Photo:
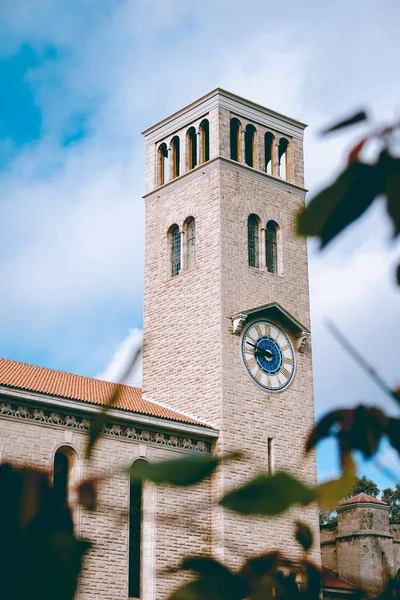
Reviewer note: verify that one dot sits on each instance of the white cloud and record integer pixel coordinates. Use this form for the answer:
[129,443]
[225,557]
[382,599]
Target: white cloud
[121,361]
[71,218]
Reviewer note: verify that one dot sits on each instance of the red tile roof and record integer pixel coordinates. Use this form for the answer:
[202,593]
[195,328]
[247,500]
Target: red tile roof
[331,580]
[362,498]
[85,389]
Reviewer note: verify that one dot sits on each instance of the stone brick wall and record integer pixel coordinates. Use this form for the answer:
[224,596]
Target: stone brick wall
[176,523]
[362,549]
[328,549]
[191,357]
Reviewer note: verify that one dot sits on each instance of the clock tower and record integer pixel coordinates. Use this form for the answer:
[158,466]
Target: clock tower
[226,303]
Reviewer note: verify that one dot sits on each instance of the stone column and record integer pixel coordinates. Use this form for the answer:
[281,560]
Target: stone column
[183,266]
[262,249]
[275,160]
[199,148]
[241,149]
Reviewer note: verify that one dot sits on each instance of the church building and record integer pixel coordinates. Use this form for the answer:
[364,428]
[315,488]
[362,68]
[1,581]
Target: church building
[226,357]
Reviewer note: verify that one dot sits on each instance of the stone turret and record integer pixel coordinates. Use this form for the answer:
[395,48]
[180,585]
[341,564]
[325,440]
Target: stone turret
[362,550]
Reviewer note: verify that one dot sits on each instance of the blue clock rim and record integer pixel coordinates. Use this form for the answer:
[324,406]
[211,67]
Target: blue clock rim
[256,381]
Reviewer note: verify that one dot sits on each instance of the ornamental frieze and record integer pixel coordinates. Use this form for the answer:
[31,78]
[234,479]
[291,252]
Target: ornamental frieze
[41,415]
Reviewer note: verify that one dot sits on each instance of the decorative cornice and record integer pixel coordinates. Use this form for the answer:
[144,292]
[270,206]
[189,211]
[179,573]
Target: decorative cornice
[353,505]
[358,534]
[275,311]
[113,413]
[233,102]
[231,165]
[54,417]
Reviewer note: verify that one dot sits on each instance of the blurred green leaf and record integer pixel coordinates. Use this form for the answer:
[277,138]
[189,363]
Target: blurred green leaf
[341,203]
[180,471]
[355,118]
[304,535]
[268,495]
[332,492]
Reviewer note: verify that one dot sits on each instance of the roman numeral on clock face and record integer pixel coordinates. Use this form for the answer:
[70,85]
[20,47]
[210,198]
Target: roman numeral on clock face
[251,362]
[258,329]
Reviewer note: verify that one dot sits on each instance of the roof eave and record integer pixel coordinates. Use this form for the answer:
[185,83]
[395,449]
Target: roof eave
[113,413]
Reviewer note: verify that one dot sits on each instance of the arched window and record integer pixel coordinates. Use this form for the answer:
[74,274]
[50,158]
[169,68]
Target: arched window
[163,164]
[190,230]
[175,245]
[64,461]
[249,145]
[269,150]
[271,246]
[192,147]
[135,534]
[235,139]
[205,140]
[283,146]
[176,156]
[253,240]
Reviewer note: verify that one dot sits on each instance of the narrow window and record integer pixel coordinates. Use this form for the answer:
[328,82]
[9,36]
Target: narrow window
[190,243]
[175,241]
[205,140]
[283,145]
[269,147]
[271,247]
[249,143]
[176,155]
[135,535]
[192,147]
[163,164]
[271,456]
[253,241]
[64,474]
[235,139]
[61,476]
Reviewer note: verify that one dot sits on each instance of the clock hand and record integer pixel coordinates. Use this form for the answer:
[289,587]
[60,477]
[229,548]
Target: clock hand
[261,353]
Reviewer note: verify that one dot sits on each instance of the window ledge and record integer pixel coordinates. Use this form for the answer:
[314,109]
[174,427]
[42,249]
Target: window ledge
[263,270]
[181,273]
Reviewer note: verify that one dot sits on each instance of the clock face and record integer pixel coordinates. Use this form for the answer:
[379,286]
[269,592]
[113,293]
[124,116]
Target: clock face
[268,355]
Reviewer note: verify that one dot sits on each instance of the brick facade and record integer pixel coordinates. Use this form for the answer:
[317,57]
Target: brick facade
[189,316]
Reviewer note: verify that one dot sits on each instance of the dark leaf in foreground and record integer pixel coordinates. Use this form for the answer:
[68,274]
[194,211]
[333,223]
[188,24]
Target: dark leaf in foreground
[179,471]
[393,433]
[87,494]
[258,574]
[40,557]
[341,203]
[268,495]
[356,118]
[360,428]
[304,535]
[391,167]
[214,581]
[313,578]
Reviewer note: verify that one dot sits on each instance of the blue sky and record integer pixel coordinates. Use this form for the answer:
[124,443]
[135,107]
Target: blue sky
[81,79]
